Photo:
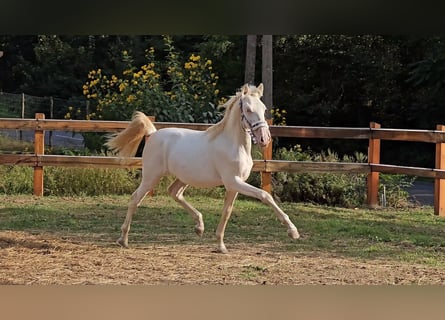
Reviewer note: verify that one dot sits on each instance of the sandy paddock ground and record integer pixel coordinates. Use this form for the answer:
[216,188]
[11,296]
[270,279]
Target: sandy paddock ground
[46,259]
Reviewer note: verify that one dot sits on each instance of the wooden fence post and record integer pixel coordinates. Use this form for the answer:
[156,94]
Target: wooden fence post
[266,177]
[372,198]
[39,149]
[439,184]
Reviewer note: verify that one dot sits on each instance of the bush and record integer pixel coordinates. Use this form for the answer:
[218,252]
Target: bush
[395,186]
[16,179]
[89,181]
[172,88]
[60,181]
[346,190]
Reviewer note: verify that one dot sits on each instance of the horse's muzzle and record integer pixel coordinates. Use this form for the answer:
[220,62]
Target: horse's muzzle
[262,135]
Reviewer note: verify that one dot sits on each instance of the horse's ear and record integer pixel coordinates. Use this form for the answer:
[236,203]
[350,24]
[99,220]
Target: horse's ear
[245,89]
[260,89]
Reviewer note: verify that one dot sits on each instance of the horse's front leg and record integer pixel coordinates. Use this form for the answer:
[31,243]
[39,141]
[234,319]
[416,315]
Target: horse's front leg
[238,185]
[226,212]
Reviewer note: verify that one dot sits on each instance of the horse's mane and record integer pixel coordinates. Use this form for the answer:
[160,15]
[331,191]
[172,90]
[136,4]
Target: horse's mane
[217,128]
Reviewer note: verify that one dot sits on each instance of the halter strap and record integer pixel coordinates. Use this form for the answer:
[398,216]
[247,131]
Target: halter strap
[252,126]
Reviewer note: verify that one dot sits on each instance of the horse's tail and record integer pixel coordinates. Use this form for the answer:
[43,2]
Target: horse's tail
[126,143]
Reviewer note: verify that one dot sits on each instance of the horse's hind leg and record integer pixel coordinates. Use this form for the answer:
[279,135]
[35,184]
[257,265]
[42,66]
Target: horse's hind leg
[136,198]
[176,190]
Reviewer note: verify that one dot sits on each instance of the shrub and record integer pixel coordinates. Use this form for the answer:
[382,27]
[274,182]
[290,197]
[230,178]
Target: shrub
[395,189]
[172,89]
[346,190]
[16,179]
[89,181]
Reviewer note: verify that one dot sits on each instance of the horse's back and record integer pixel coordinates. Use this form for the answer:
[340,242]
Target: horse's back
[185,153]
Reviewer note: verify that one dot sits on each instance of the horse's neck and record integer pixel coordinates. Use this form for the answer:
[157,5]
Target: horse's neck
[235,131]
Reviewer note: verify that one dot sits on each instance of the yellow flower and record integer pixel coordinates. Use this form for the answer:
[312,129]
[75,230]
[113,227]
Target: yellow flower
[222,101]
[194,58]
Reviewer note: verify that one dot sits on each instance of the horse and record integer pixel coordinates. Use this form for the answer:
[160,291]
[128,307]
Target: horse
[220,155]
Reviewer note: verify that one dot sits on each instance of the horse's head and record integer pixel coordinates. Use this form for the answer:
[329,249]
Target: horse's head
[252,113]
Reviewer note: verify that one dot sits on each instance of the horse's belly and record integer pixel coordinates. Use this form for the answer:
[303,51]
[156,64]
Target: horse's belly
[193,165]
[197,175]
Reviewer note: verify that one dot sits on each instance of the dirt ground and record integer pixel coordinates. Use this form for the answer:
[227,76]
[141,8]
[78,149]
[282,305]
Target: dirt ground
[45,259]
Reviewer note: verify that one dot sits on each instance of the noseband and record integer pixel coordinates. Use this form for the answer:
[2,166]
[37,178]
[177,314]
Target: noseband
[252,126]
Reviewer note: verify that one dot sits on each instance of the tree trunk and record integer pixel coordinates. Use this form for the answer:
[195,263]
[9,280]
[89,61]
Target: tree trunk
[249,75]
[267,73]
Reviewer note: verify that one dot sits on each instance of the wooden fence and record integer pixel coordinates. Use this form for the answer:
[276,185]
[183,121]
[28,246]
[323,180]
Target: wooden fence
[374,134]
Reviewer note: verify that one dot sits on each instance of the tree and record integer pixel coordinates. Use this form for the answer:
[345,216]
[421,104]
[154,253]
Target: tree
[249,73]
[267,73]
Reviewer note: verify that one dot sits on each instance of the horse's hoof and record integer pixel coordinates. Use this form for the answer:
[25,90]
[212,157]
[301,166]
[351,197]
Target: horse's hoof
[293,233]
[222,250]
[199,231]
[122,243]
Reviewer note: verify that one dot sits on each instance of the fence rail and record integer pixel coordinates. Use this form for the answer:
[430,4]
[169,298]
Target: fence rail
[429,136]
[267,166]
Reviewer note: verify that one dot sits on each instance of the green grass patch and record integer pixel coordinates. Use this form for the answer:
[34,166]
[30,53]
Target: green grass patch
[410,235]
[8,144]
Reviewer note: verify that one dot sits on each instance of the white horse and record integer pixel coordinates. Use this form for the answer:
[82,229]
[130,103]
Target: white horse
[221,155]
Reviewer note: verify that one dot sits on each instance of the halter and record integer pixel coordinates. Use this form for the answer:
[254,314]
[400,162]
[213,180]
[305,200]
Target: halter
[252,126]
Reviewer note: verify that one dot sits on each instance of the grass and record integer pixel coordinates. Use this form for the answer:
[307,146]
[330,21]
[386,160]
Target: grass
[410,235]
[8,144]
